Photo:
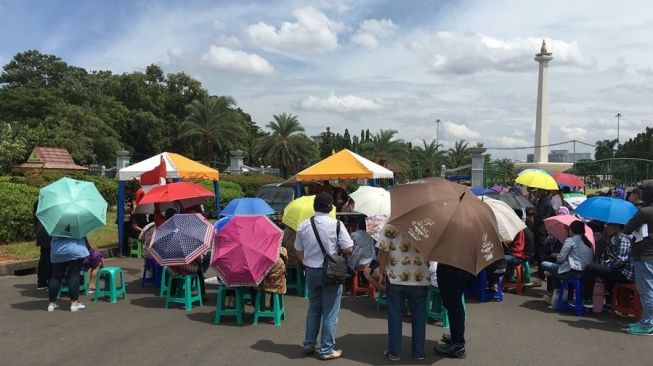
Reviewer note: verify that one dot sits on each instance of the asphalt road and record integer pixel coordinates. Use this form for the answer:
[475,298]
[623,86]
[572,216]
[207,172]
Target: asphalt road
[138,331]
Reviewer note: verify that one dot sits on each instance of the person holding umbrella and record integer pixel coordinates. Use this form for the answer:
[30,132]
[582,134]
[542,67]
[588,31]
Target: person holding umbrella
[67,257]
[324,301]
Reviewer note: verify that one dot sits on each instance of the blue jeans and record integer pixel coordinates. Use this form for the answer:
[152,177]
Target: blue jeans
[396,299]
[323,307]
[644,282]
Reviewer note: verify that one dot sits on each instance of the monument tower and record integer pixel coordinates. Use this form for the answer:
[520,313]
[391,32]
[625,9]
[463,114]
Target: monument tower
[542,113]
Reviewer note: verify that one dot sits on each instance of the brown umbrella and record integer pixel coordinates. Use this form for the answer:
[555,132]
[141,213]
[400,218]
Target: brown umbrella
[446,223]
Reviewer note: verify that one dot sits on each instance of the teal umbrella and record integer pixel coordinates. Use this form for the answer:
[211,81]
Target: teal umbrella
[71,208]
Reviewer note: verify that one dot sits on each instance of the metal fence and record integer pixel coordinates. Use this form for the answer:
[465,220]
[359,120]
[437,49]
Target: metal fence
[614,172]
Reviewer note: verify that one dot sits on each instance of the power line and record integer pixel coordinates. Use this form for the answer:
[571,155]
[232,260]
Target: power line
[532,147]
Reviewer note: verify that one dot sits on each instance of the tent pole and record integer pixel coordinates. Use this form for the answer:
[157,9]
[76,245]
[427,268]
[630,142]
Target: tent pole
[298,190]
[121,216]
[371,182]
[216,189]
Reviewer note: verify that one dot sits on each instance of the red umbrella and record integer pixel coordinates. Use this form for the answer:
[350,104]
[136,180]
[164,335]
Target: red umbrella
[558,226]
[567,179]
[188,193]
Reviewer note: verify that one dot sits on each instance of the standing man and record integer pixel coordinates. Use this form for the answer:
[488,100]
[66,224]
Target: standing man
[635,197]
[543,210]
[43,239]
[405,276]
[324,301]
[641,225]
[452,282]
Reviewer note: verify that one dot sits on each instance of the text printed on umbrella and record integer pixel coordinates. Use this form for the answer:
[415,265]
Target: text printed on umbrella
[419,229]
[486,248]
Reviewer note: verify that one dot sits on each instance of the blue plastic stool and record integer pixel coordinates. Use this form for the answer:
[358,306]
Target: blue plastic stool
[435,309]
[277,311]
[184,295]
[478,288]
[238,310]
[574,294]
[155,272]
[110,286]
[83,284]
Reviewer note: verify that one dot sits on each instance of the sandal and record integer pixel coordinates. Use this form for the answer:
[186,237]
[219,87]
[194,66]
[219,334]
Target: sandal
[389,356]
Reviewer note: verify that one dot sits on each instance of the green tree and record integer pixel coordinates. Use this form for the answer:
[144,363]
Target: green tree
[640,146]
[34,70]
[459,155]
[287,147]
[605,149]
[212,124]
[387,151]
[430,157]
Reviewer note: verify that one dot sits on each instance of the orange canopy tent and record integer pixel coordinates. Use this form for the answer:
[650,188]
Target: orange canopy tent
[344,165]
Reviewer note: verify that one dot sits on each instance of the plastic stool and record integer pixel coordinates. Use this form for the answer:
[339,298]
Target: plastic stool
[625,300]
[519,278]
[358,287]
[190,283]
[83,284]
[294,281]
[527,272]
[277,312]
[478,288]
[135,248]
[237,311]
[435,309]
[110,288]
[574,293]
[155,272]
[381,300]
[163,283]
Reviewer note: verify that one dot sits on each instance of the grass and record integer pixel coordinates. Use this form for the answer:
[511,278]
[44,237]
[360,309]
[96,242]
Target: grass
[105,237]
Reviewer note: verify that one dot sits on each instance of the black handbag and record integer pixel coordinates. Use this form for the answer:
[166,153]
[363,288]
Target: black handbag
[334,266]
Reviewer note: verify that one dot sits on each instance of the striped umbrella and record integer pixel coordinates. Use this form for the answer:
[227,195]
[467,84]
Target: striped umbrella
[181,239]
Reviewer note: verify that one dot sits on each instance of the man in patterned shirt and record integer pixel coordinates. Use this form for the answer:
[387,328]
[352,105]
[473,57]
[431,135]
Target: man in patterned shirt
[405,276]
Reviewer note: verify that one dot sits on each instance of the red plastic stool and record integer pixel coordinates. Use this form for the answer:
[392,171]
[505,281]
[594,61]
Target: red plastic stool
[625,300]
[357,286]
[519,279]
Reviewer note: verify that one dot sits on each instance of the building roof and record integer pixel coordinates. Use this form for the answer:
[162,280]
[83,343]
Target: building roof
[50,158]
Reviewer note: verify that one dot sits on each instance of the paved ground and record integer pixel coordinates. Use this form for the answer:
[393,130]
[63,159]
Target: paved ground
[519,331]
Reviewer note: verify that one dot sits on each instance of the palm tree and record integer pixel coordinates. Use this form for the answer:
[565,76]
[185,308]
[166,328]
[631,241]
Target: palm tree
[213,125]
[429,156]
[459,155]
[387,151]
[287,147]
[605,149]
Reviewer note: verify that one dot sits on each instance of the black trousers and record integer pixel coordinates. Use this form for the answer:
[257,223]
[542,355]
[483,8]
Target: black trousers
[71,270]
[610,278]
[44,268]
[452,282]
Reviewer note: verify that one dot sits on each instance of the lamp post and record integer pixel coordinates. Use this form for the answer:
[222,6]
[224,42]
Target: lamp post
[618,122]
[437,131]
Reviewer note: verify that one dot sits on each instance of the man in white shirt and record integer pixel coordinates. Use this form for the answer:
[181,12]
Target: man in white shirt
[324,300]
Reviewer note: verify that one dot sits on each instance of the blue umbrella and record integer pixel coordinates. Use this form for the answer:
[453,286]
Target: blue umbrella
[607,209]
[247,207]
[222,223]
[479,191]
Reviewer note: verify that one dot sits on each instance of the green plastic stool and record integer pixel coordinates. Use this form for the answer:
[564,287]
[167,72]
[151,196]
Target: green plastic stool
[381,300]
[110,288]
[435,309]
[527,272]
[305,283]
[136,248]
[163,288]
[238,310]
[294,279]
[83,284]
[190,284]
[277,312]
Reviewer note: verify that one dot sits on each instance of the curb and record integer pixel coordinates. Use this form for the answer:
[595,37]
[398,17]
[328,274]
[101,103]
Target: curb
[10,269]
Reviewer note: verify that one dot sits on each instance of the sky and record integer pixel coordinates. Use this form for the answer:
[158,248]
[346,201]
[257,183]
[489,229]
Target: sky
[372,64]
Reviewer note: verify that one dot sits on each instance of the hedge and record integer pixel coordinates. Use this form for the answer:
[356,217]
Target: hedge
[228,191]
[250,183]
[16,211]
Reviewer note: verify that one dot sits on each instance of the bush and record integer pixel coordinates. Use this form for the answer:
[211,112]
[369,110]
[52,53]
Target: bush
[16,211]
[250,183]
[228,191]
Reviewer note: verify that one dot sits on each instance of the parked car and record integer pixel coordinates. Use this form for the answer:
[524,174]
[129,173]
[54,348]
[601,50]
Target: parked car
[276,195]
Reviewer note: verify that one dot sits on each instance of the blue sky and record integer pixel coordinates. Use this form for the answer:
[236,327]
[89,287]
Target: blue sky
[374,64]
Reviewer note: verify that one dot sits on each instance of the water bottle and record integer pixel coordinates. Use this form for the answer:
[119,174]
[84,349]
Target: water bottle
[598,297]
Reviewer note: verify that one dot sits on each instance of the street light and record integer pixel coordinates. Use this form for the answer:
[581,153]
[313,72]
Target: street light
[618,120]
[437,131]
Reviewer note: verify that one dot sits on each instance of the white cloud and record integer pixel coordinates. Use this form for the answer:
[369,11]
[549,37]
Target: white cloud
[312,33]
[226,59]
[371,30]
[346,103]
[574,133]
[508,141]
[175,52]
[469,53]
[459,131]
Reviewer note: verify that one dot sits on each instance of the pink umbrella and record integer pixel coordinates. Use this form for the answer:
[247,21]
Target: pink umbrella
[558,226]
[245,250]
[498,188]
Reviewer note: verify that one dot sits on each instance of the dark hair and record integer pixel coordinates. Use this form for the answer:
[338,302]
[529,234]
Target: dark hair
[637,192]
[323,202]
[578,227]
[170,212]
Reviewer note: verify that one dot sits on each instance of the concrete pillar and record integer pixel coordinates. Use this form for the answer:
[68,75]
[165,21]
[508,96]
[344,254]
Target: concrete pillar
[478,161]
[542,112]
[122,160]
[236,162]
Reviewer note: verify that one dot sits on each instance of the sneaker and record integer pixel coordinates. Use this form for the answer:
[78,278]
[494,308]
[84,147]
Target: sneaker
[309,350]
[633,325]
[640,330]
[77,307]
[41,286]
[91,291]
[419,358]
[451,350]
[52,306]
[334,355]
[446,338]
[390,356]
[588,304]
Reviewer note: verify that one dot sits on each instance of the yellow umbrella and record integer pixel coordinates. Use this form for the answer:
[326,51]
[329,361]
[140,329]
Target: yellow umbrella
[535,179]
[300,210]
